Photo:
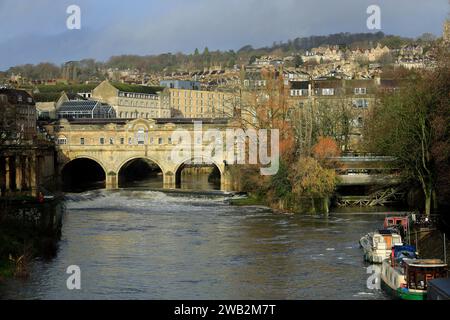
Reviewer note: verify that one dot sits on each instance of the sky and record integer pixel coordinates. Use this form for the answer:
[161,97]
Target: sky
[33,31]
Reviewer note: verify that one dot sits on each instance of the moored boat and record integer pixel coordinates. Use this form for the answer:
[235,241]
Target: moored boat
[378,245]
[406,278]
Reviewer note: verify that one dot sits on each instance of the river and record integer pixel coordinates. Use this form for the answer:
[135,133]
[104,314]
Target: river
[139,244]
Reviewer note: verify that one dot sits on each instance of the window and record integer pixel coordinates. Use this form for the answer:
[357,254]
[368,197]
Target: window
[111,140]
[141,136]
[160,140]
[360,90]
[361,103]
[328,91]
[130,141]
[169,140]
[82,141]
[122,140]
[102,140]
[62,140]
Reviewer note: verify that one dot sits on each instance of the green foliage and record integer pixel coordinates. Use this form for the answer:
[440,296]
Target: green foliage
[136,88]
[310,179]
[72,88]
[47,96]
[280,183]
[411,126]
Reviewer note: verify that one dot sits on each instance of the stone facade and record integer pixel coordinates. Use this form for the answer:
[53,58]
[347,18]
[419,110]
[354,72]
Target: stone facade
[17,116]
[132,105]
[202,104]
[116,143]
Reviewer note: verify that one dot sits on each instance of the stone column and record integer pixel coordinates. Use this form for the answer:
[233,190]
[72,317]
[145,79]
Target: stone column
[26,173]
[7,174]
[33,176]
[18,173]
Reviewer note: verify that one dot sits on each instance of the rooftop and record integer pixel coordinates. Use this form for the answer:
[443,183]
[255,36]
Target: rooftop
[81,105]
[136,88]
[17,96]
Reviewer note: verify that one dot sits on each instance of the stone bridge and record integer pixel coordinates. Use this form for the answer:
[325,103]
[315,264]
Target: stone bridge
[112,144]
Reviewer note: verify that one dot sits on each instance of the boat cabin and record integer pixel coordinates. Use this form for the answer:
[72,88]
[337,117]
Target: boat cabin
[390,238]
[395,222]
[419,271]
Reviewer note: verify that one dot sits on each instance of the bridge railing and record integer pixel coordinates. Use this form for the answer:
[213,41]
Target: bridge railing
[358,157]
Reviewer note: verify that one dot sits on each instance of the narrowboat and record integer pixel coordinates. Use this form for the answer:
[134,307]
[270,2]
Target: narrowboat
[407,278]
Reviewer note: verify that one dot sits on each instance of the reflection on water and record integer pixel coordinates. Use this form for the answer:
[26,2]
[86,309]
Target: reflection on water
[188,182]
[133,244]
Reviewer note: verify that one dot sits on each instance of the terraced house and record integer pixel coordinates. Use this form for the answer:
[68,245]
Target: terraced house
[202,104]
[342,105]
[133,101]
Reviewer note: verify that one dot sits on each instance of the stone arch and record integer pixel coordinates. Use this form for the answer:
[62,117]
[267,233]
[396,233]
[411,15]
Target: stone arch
[157,162]
[211,162]
[131,166]
[82,173]
[69,160]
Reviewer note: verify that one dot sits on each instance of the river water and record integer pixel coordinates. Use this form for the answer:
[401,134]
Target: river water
[139,244]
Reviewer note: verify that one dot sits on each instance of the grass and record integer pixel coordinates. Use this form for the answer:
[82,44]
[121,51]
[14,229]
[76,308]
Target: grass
[248,201]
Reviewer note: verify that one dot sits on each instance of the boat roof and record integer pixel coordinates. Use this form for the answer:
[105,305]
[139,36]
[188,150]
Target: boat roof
[442,284]
[386,231]
[425,263]
[397,218]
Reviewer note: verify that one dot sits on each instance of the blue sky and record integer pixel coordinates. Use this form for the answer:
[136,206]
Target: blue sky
[34,31]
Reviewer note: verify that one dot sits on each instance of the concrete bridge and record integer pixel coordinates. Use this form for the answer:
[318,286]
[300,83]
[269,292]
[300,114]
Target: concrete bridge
[366,170]
[112,145]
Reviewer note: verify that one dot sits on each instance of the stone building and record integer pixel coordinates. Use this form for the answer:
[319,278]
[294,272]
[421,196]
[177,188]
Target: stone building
[355,97]
[133,101]
[202,104]
[70,71]
[26,160]
[17,115]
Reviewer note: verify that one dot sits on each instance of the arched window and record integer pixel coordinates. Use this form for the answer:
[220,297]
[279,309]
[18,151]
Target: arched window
[141,136]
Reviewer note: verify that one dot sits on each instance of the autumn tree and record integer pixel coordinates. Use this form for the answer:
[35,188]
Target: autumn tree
[325,150]
[310,180]
[412,125]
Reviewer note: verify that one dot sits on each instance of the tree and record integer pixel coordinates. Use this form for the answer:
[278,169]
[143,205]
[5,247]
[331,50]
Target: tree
[325,149]
[412,125]
[280,183]
[309,179]
[298,61]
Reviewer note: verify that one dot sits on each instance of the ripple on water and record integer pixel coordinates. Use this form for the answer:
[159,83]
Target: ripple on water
[147,245]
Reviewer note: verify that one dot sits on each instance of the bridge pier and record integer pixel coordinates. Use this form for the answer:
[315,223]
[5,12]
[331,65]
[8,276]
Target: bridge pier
[111,181]
[169,180]
[226,181]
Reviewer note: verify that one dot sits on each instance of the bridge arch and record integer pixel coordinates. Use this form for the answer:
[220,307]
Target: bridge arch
[83,173]
[215,177]
[140,168]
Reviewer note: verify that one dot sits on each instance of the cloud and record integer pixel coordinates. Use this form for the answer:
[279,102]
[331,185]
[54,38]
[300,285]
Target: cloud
[36,31]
